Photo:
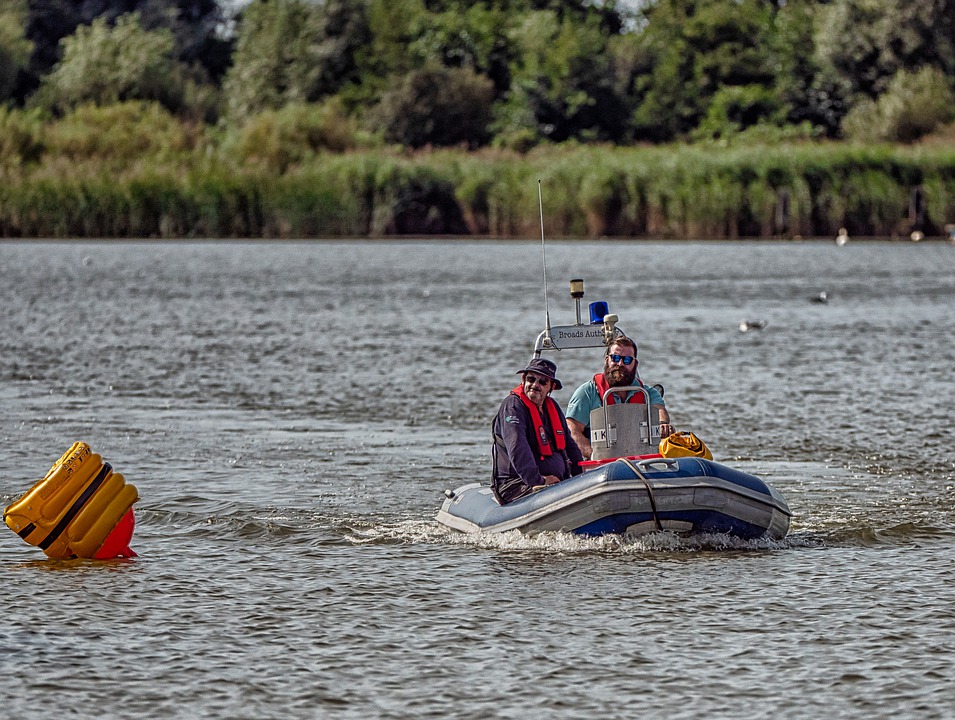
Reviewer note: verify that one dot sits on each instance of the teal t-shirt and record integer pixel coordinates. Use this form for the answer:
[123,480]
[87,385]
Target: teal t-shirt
[586,398]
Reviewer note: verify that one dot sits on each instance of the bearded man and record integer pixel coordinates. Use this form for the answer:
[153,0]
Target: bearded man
[620,370]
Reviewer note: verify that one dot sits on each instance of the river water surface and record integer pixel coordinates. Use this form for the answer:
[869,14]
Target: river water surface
[291,414]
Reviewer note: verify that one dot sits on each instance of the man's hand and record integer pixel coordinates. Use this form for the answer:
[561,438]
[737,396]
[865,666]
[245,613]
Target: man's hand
[548,480]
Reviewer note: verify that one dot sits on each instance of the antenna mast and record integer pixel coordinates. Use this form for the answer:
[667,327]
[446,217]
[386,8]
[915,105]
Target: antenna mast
[540,200]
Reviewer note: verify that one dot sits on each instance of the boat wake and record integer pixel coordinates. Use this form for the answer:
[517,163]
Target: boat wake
[432,532]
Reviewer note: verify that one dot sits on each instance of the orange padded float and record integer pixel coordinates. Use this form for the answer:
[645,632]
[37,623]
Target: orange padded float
[80,509]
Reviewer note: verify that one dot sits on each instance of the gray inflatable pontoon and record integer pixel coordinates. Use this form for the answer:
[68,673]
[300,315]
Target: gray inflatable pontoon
[683,495]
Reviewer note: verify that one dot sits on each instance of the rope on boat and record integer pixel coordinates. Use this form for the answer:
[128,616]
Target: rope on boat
[653,502]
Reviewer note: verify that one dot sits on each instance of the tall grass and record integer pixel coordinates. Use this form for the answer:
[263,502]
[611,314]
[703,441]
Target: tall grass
[81,176]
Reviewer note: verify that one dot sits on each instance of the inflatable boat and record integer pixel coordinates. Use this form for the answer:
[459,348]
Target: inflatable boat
[628,487]
[682,495]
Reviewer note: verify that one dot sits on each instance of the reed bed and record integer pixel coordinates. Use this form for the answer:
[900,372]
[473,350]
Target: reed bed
[198,190]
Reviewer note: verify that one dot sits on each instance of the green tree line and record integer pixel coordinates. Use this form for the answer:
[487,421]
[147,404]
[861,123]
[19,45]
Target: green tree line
[183,89]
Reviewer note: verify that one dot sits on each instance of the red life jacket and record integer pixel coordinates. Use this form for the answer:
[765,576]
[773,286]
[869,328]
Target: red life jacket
[601,382]
[553,414]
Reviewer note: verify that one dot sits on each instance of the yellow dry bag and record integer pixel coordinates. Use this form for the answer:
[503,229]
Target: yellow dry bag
[684,444]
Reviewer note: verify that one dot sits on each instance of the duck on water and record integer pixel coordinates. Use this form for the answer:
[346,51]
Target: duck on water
[627,486]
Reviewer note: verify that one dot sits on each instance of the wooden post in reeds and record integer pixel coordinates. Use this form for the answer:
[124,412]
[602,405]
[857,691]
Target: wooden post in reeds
[781,228]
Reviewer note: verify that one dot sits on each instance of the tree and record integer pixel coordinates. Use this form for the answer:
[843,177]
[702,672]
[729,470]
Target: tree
[475,38]
[393,24]
[571,9]
[735,108]
[913,105]
[808,92]
[562,82]
[14,47]
[699,47]
[195,26]
[103,64]
[344,35]
[252,83]
[864,43]
[291,51]
[47,22]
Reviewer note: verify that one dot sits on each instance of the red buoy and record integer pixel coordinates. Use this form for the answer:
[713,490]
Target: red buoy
[116,544]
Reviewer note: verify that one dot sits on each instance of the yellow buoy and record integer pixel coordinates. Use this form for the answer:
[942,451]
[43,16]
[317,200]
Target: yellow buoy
[73,510]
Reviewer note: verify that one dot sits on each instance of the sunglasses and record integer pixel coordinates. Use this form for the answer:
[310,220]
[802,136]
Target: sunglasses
[531,379]
[625,359]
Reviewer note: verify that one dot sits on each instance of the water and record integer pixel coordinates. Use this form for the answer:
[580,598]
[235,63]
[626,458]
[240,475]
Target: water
[291,414]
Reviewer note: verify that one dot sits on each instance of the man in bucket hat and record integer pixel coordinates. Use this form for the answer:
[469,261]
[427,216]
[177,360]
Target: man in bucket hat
[532,443]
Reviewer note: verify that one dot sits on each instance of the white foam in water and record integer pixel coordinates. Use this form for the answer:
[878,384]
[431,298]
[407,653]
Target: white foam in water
[432,532]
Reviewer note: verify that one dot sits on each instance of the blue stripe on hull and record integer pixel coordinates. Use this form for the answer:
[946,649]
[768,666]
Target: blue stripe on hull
[704,521]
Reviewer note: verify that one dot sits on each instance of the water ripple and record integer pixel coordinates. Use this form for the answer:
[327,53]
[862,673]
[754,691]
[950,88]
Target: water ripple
[292,412]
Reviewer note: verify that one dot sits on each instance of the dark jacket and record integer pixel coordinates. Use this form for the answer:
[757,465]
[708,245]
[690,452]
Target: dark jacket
[517,465]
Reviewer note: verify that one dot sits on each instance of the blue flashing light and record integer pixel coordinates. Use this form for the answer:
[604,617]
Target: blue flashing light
[597,311]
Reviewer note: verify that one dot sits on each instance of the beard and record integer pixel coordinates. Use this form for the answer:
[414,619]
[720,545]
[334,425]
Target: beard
[619,376]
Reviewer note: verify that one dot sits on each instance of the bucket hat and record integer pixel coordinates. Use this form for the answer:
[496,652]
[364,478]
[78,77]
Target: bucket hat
[545,368]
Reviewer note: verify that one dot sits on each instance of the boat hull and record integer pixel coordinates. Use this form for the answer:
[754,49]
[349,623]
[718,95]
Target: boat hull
[684,495]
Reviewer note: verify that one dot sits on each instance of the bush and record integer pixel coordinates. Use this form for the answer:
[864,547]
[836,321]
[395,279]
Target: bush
[736,108]
[104,65]
[119,134]
[278,139]
[438,106]
[913,105]
[21,137]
